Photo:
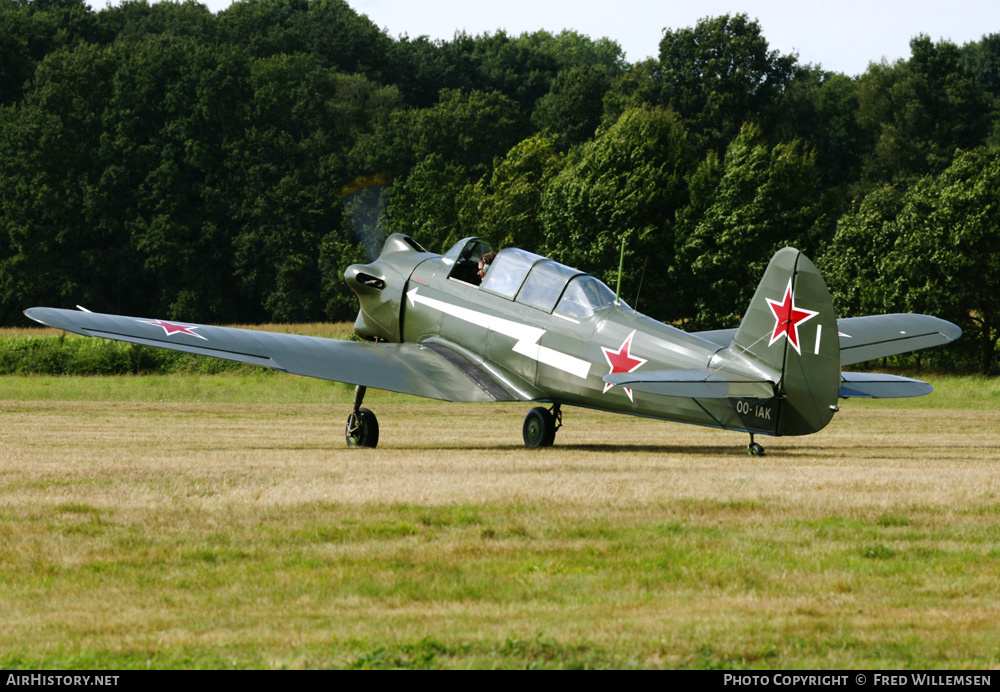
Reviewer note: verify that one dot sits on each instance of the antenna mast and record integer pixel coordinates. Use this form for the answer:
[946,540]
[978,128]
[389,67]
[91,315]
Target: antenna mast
[621,263]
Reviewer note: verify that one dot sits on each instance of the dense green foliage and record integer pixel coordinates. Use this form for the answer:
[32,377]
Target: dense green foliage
[78,355]
[163,160]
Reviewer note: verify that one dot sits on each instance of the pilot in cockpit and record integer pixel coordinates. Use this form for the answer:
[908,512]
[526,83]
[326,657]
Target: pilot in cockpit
[467,257]
[484,265]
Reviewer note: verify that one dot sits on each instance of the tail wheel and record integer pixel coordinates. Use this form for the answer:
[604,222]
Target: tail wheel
[362,429]
[755,450]
[539,428]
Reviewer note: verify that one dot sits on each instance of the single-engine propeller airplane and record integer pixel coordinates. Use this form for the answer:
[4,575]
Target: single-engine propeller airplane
[534,330]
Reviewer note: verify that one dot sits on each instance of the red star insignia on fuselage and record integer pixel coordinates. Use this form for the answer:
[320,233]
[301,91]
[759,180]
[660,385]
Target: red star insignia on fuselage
[787,318]
[171,328]
[622,361]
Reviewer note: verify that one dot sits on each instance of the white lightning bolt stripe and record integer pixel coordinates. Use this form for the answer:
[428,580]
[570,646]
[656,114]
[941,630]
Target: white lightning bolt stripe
[526,336]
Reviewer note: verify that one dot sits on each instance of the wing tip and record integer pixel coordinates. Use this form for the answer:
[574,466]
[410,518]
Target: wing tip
[34,314]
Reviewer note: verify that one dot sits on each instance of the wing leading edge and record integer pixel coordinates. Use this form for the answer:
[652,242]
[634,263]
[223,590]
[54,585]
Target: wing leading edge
[430,371]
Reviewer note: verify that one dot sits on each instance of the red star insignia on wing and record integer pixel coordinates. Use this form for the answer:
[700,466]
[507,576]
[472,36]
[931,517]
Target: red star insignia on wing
[171,328]
[622,361]
[787,318]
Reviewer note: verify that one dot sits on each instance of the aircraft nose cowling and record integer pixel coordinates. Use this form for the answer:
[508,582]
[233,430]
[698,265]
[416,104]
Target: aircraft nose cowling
[379,287]
[365,279]
[380,291]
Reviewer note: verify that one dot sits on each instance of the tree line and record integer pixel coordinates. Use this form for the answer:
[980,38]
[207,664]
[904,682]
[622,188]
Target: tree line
[164,160]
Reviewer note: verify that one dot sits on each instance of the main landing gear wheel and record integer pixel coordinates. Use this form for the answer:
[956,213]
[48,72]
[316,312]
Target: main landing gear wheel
[362,425]
[362,429]
[754,449]
[540,426]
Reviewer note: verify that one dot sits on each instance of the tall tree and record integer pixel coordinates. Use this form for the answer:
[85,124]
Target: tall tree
[505,207]
[469,130]
[572,109]
[133,21]
[764,199]
[820,108]
[426,204]
[918,113]
[852,262]
[627,183]
[290,164]
[946,260]
[64,240]
[30,30]
[328,30]
[720,75]
[162,152]
[981,59]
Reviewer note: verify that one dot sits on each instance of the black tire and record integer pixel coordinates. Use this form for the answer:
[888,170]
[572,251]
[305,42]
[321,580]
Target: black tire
[755,450]
[362,429]
[539,428]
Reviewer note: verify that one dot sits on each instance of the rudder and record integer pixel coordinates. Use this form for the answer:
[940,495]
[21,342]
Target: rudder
[791,328]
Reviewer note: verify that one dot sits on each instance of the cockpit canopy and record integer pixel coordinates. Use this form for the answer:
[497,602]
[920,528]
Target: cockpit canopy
[584,296]
[508,270]
[545,284]
[464,257]
[530,279]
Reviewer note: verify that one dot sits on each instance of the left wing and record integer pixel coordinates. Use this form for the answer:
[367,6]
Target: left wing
[429,370]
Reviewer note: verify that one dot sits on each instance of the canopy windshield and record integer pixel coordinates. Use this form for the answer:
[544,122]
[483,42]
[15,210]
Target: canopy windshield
[584,296]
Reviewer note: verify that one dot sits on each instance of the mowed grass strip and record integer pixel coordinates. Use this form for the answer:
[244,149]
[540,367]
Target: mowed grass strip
[220,522]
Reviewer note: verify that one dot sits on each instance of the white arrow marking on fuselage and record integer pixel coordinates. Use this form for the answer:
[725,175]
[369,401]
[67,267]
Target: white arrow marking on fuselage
[526,336]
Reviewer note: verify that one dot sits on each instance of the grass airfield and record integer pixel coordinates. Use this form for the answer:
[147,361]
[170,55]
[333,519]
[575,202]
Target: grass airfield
[220,521]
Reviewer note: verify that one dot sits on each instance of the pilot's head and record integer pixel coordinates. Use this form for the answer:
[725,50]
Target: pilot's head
[484,263]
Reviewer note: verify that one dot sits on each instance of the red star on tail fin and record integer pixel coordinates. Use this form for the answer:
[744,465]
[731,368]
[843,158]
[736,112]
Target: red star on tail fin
[787,318]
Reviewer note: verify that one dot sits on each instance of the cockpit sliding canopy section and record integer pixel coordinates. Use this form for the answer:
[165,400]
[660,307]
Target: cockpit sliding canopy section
[545,283]
[531,279]
[508,270]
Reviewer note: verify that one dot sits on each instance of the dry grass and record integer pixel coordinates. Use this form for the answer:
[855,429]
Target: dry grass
[147,533]
[330,330]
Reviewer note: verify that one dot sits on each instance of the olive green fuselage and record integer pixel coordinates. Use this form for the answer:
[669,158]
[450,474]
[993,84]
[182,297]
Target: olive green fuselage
[540,354]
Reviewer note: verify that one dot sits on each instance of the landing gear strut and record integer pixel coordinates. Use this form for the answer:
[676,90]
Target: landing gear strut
[754,449]
[540,426]
[362,425]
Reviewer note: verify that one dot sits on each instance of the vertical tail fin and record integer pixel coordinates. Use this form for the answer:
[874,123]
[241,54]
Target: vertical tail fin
[791,329]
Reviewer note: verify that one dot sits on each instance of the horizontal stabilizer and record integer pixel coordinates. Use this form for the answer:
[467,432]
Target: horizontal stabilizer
[694,384]
[876,385]
[878,336]
[875,336]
